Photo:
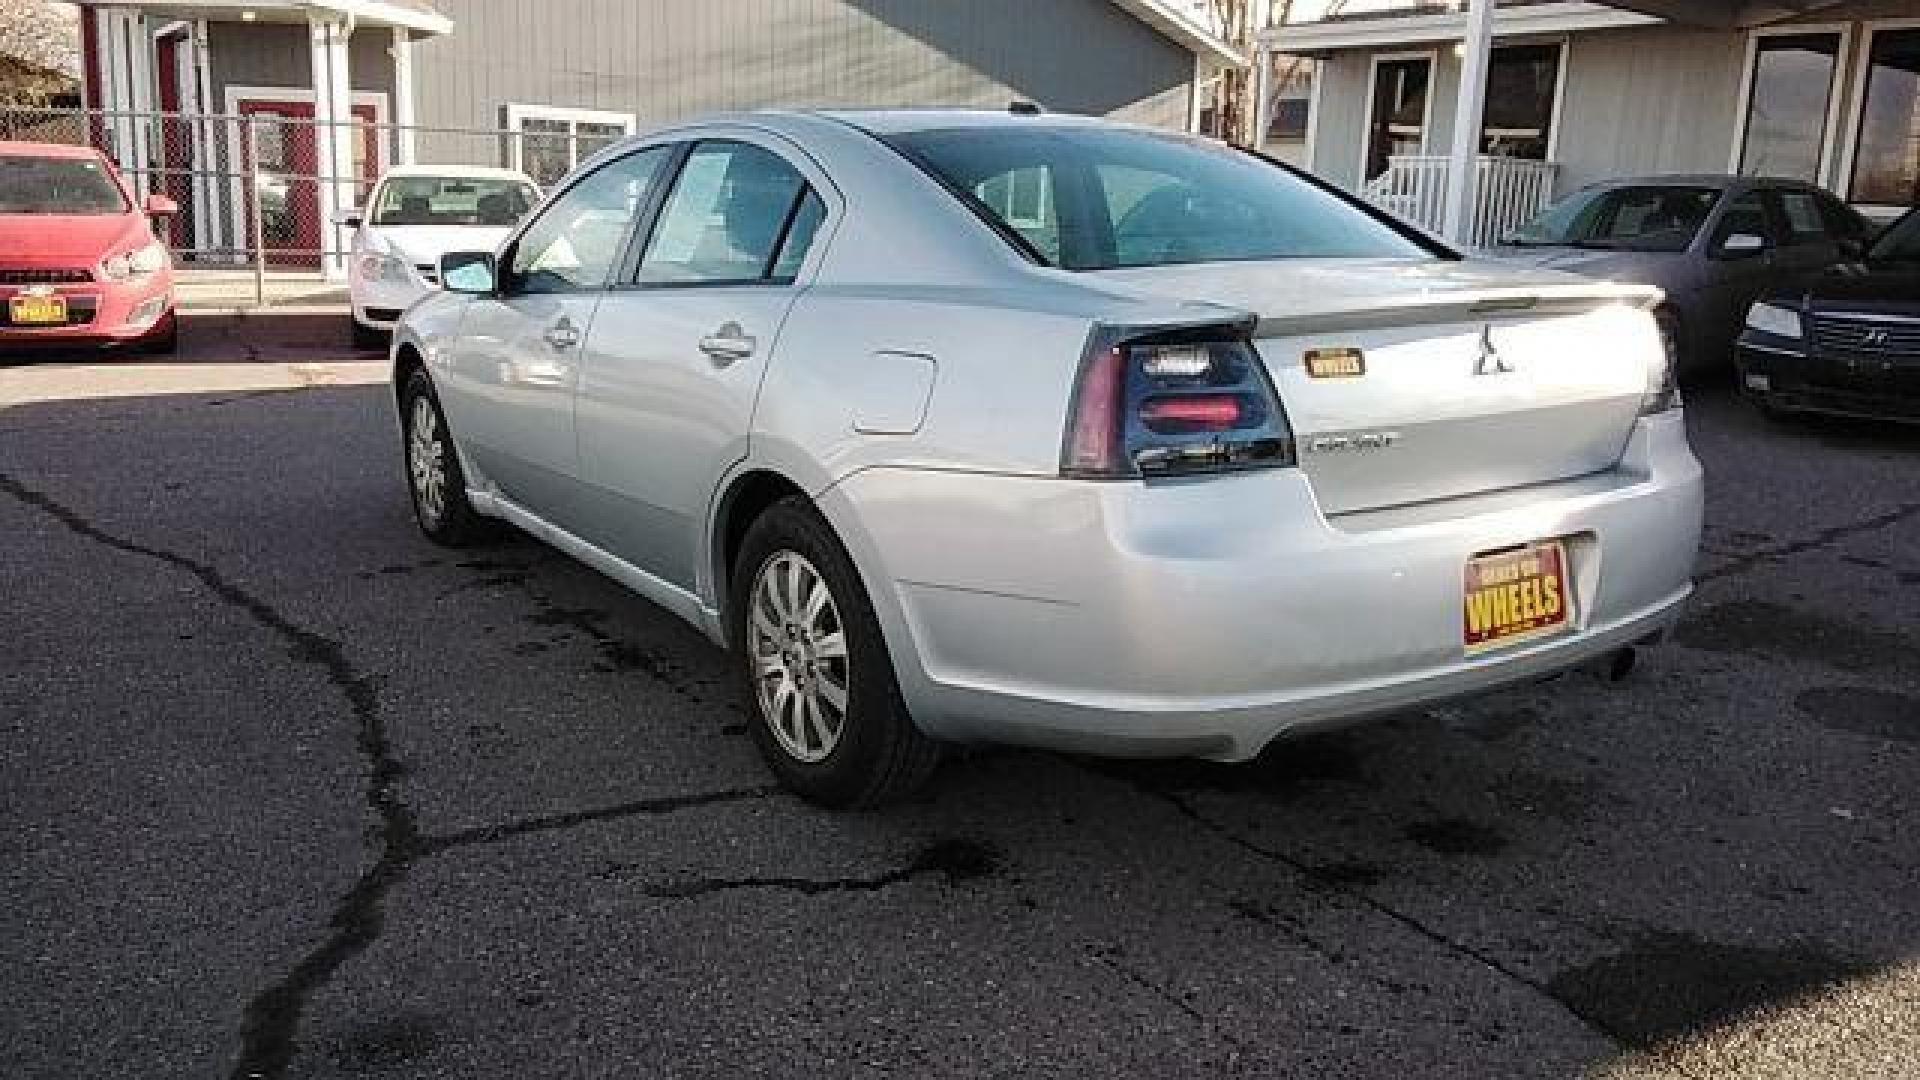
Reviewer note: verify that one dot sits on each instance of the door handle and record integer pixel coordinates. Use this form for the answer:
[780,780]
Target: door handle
[562,335]
[727,344]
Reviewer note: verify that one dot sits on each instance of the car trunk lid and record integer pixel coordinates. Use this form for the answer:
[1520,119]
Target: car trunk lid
[1474,378]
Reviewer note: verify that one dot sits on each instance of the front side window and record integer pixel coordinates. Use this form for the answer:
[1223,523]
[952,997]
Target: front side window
[38,185]
[1792,86]
[1120,198]
[1887,164]
[451,200]
[731,210]
[1640,218]
[574,244]
[1746,216]
[1900,243]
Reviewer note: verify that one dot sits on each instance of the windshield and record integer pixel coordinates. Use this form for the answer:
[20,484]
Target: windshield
[1900,243]
[1645,218]
[39,185]
[453,200]
[1100,199]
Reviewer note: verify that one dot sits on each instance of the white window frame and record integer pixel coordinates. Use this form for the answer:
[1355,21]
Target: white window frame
[573,118]
[1432,57]
[1856,114]
[1836,93]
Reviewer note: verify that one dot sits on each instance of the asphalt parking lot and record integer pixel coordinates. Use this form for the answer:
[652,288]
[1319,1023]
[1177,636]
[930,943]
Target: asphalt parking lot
[288,791]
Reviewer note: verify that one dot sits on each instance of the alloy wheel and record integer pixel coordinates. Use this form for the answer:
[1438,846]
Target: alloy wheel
[427,459]
[798,648]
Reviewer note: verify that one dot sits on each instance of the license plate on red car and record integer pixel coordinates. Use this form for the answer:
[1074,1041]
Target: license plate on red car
[1516,595]
[37,310]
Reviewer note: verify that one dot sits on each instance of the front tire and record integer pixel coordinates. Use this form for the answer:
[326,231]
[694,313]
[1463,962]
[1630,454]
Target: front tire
[434,477]
[828,715]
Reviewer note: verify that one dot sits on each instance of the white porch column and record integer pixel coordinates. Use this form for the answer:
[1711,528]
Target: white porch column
[1262,95]
[404,147]
[127,88]
[333,135]
[1464,167]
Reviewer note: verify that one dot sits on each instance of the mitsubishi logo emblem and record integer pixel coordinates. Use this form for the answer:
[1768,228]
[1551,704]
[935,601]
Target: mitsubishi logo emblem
[1490,361]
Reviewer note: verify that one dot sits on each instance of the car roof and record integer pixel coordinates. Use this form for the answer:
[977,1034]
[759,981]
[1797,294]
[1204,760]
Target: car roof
[1722,181]
[475,172]
[66,151]
[889,121]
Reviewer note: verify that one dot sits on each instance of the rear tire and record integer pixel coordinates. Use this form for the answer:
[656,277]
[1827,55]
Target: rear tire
[827,711]
[434,477]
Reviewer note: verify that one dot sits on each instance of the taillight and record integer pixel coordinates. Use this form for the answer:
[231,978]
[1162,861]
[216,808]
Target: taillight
[1174,403]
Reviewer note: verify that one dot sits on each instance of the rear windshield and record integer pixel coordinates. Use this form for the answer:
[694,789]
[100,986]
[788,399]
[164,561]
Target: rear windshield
[1101,199]
[39,185]
[1652,217]
[450,200]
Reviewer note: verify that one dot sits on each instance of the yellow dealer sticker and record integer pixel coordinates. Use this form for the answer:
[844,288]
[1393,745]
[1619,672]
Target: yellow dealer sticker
[1517,595]
[1336,363]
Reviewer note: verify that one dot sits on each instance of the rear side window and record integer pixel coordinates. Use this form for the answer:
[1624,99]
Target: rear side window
[1099,199]
[738,214]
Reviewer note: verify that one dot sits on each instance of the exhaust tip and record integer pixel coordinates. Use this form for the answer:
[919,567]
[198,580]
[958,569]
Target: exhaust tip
[1623,663]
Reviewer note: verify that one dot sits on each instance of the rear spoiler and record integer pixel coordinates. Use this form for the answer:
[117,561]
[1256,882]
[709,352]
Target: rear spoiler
[1464,305]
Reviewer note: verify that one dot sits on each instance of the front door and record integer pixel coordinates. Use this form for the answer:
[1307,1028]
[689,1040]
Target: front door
[280,144]
[667,399]
[508,384]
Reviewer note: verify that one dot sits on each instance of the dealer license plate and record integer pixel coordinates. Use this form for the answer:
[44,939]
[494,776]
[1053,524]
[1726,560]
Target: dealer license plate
[1516,595]
[38,310]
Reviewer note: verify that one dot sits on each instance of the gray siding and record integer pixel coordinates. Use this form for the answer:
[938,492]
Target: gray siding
[1647,100]
[664,60]
[269,54]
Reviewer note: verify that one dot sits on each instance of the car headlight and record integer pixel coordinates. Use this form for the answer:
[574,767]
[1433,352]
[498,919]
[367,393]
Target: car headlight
[139,262]
[377,267]
[1776,320]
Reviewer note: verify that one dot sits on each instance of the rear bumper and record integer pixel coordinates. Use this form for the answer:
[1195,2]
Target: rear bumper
[1797,380]
[1206,618]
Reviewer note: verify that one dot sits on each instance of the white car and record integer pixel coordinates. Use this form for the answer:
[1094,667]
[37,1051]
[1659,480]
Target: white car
[418,213]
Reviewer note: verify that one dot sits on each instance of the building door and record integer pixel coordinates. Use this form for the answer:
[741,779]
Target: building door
[282,136]
[1402,88]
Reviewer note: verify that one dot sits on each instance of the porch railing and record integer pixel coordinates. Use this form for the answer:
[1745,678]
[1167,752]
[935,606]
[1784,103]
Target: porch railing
[1510,192]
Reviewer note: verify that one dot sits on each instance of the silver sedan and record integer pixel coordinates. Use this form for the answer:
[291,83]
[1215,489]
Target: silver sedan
[963,427]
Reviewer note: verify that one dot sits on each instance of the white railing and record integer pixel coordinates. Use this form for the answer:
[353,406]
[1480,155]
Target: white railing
[1510,193]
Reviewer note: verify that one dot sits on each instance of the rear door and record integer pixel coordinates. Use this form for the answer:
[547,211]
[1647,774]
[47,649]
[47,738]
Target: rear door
[678,348]
[509,381]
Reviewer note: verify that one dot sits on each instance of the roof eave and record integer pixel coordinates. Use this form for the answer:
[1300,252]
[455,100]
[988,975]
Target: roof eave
[1552,18]
[1175,24]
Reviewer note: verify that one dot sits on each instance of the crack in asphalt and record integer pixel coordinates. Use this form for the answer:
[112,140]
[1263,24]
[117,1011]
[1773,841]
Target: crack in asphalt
[1746,561]
[272,1018]
[1333,885]
[491,834]
[1107,959]
[957,859]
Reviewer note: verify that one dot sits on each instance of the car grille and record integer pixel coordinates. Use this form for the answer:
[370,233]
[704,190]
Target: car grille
[1869,337]
[40,275]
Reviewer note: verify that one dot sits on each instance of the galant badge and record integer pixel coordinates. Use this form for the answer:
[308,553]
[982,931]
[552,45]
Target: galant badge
[1490,362]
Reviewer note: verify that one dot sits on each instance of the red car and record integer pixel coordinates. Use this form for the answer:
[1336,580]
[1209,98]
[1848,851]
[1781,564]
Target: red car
[79,261]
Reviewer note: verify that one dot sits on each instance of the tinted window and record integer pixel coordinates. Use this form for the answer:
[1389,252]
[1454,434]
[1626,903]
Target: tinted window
[35,185]
[453,200]
[1842,220]
[1641,218]
[1801,218]
[1901,243]
[574,244]
[1747,215]
[725,219]
[1098,199]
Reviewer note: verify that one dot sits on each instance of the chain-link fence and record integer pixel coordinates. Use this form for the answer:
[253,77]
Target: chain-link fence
[263,188]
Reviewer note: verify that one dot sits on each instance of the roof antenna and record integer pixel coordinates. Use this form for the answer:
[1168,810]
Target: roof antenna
[1022,107]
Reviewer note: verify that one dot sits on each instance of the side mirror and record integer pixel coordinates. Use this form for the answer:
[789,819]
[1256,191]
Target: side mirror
[351,217]
[1743,246]
[471,272]
[158,205]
